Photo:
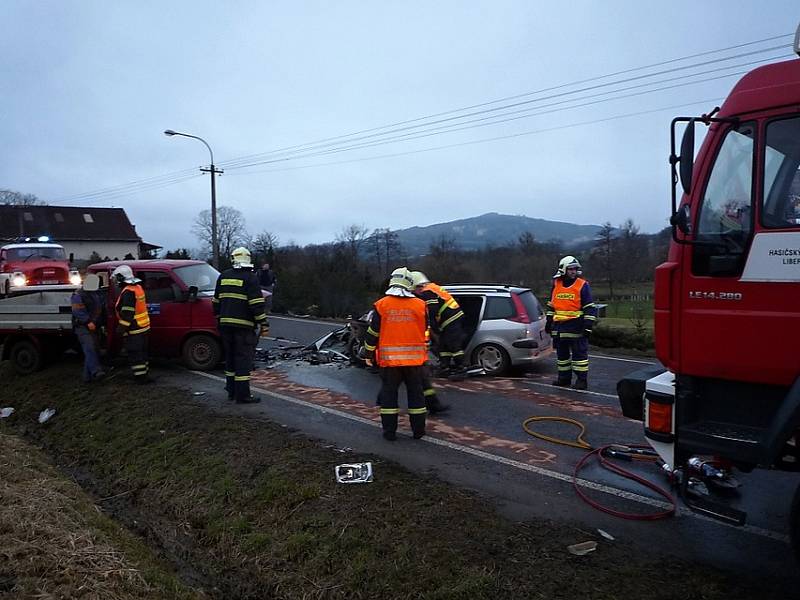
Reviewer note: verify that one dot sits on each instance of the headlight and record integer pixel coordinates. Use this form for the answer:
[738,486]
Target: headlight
[18,280]
[75,278]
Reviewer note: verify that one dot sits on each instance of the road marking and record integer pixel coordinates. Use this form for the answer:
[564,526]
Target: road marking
[680,511]
[333,325]
[631,360]
[553,388]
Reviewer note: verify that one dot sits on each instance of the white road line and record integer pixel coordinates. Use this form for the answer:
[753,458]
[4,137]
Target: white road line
[631,360]
[282,318]
[516,464]
[553,388]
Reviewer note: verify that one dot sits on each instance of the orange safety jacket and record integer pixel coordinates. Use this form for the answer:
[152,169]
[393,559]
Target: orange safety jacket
[131,309]
[566,301]
[402,340]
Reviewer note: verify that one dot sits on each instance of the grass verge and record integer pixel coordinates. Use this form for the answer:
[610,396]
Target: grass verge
[248,509]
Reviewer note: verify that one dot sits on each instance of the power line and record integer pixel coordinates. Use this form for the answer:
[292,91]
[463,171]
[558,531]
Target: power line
[484,140]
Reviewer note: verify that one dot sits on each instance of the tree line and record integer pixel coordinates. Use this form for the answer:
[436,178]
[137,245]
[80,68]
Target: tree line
[345,276]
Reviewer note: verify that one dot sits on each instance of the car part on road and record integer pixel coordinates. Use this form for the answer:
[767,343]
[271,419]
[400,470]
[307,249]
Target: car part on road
[354,473]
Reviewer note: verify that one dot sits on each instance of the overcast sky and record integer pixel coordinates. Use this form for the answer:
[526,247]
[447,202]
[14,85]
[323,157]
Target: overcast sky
[89,87]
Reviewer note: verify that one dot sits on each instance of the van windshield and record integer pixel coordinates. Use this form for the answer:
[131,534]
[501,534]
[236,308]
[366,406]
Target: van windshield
[203,276]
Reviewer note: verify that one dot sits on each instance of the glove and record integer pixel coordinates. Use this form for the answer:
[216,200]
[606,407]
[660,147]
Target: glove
[587,333]
[264,329]
[121,330]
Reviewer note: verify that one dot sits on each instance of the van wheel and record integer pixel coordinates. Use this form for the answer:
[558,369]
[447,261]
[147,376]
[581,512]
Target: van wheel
[6,290]
[26,357]
[201,353]
[492,358]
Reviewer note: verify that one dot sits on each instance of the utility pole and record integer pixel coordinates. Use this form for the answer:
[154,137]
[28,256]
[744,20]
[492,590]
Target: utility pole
[213,171]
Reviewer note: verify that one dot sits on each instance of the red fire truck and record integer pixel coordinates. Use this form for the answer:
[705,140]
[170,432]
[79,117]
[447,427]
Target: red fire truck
[727,300]
[35,263]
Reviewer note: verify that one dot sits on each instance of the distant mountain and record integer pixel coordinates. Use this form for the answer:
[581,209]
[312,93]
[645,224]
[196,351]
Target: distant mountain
[494,229]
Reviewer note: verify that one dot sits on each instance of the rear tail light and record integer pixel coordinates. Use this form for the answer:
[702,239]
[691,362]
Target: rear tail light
[522,314]
[659,417]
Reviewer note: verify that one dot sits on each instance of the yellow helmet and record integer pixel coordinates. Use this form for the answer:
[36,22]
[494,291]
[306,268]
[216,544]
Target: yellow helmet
[419,278]
[564,264]
[401,277]
[241,257]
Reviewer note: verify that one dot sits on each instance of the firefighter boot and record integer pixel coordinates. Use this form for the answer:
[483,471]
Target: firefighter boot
[580,382]
[434,405]
[560,382]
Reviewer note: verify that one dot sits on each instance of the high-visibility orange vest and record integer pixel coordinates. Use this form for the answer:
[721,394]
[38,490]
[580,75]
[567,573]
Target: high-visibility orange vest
[401,340]
[140,316]
[566,301]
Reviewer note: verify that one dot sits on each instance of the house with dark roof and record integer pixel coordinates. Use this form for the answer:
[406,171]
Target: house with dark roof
[81,230]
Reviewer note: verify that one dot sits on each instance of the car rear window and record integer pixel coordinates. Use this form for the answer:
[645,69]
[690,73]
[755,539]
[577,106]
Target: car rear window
[531,304]
[499,307]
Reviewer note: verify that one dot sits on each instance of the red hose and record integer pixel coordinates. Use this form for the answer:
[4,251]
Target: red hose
[615,468]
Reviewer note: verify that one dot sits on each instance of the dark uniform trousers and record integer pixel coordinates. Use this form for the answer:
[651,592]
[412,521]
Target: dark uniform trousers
[392,377]
[451,344]
[136,347]
[572,354]
[239,344]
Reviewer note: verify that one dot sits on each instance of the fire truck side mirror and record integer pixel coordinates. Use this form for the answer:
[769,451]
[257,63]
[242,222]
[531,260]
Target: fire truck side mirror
[681,219]
[687,157]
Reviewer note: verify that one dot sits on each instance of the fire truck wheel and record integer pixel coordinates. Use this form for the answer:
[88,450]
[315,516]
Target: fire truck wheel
[201,353]
[794,523]
[26,357]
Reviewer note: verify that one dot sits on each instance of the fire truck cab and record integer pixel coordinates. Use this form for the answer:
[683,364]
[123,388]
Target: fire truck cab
[727,300]
[35,264]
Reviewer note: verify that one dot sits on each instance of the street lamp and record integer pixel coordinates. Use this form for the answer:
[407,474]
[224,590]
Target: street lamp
[213,171]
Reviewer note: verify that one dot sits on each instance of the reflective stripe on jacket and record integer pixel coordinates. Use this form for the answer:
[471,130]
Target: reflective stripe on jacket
[566,301]
[400,327]
[238,301]
[131,309]
[442,307]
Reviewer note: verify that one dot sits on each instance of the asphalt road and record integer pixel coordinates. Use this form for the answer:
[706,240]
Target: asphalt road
[480,444]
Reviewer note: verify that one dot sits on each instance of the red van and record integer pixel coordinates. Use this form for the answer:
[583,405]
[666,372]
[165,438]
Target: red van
[178,295]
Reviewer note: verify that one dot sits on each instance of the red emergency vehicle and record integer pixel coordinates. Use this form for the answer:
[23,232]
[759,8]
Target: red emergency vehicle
[35,263]
[727,300]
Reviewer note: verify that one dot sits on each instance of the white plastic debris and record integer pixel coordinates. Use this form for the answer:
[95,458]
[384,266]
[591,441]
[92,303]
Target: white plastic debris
[582,549]
[45,415]
[354,473]
[6,412]
[606,535]
[198,393]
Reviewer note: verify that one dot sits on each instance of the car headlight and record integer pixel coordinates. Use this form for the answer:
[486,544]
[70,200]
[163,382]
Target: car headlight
[18,280]
[75,278]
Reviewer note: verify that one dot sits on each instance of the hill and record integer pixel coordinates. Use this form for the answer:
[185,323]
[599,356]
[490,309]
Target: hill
[494,229]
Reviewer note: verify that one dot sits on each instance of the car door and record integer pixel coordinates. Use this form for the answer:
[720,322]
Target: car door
[167,307]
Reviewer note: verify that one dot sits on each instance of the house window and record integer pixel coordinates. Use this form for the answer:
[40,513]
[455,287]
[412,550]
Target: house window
[27,216]
[88,218]
[59,217]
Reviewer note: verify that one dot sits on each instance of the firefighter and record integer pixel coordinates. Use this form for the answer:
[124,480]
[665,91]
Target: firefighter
[133,322]
[571,314]
[396,340]
[446,318]
[239,307]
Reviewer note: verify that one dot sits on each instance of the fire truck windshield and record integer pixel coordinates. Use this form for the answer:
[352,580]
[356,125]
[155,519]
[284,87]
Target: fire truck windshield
[33,252]
[202,276]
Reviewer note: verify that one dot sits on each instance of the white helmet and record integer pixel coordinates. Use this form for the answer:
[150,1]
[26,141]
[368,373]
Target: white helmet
[419,278]
[241,258]
[401,277]
[124,273]
[564,264]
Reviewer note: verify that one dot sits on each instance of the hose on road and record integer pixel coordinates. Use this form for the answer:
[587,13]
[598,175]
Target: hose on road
[603,455]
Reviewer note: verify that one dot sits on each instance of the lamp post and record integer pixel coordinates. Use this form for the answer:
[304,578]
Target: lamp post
[213,171]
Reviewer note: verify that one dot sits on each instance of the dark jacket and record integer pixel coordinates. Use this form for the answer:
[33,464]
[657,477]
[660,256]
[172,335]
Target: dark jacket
[237,299]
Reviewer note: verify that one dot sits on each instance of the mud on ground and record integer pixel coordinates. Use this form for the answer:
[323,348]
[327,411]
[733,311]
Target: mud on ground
[245,508]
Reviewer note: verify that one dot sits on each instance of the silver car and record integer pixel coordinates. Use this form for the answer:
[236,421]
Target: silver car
[506,325]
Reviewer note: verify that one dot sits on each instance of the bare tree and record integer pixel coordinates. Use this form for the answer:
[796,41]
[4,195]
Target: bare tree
[352,238]
[12,198]
[264,245]
[231,231]
[384,245]
[605,248]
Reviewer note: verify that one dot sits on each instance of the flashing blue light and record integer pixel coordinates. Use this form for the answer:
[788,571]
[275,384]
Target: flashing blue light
[43,238]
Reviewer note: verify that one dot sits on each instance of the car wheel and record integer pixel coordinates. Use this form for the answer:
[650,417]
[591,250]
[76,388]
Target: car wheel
[201,353]
[26,357]
[492,358]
